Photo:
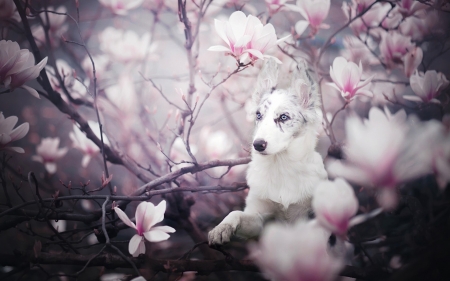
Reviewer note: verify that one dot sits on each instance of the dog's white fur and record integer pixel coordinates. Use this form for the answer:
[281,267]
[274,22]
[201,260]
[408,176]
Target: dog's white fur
[283,176]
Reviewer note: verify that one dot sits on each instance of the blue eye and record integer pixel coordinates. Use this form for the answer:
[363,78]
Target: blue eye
[283,117]
[258,116]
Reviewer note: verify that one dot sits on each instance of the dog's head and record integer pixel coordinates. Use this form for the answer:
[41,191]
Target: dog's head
[282,115]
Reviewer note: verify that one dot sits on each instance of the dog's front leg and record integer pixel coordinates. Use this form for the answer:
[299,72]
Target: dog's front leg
[246,224]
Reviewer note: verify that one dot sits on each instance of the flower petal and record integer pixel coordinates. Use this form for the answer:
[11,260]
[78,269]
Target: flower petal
[156,235]
[136,246]
[123,217]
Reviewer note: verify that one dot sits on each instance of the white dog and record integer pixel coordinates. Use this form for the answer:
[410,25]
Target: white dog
[285,167]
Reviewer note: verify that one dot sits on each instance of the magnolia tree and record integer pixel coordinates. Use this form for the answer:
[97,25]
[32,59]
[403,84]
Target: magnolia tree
[134,141]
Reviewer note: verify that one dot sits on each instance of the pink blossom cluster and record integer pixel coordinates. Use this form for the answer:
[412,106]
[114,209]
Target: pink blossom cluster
[246,37]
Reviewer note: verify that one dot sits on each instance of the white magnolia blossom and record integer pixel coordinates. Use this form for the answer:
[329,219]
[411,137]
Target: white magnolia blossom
[295,253]
[48,153]
[427,86]
[8,134]
[247,39]
[147,215]
[385,150]
[125,46]
[68,75]
[56,24]
[85,145]
[334,204]
[18,66]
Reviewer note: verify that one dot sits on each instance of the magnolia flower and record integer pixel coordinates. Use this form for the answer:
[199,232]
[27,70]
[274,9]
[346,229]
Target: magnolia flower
[421,24]
[334,204]
[147,215]
[8,134]
[372,18]
[8,10]
[17,67]
[247,38]
[314,11]
[275,6]
[125,46]
[412,60]
[48,153]
[393,47]
[121,7]
[355,50]
[385,150]
[293,253]
[427,86]
[101,64]
[81,142]
[408,8]
[346,76]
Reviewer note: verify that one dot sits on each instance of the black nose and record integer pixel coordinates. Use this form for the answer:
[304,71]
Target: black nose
[260,145]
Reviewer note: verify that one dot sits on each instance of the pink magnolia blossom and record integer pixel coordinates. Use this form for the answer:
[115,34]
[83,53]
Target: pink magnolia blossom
[427,86]
[385,150]
[121,7]
[17,67]
[8,134]
[372,18]
[101,64]
[247,38]
[393,47]
[334,204]
[81,142]
[419,25]
[346,76]
[48,153]
[355,50]
[412,60]
[408,8]
[57,26]
[147,215]
[314,12]
[295,253]
[8,10]
[275,6]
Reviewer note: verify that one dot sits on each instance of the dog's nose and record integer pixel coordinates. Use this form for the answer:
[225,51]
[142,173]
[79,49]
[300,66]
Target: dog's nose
[260,145]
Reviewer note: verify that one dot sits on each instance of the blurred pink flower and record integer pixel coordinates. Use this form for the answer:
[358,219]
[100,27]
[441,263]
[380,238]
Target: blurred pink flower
[247,38]
[420,25]
[17,67]
[314,11]
[81,142]
[427,86]
[408,8]
[125,46]
[48,153]
[8,134]
[295,253]
[8,10]
[275,6]
[101,64]
[385,150]
[57,27]
[441,159]
[355,50]
[412,60]
[393,47]
[346,76]
[121,7]
[334,204]
[372,18]
[147,215]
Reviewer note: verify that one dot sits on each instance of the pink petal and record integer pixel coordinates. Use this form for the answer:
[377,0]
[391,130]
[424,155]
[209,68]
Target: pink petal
[123,217]
[220,29]
[136,246]
[219,49]
[164,228]
[20,131]
[30,90]
[301,26]
[156,235]
[50,167]
[145,213]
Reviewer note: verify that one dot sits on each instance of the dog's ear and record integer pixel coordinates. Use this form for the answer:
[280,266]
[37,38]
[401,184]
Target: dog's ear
[305,87]
[267,80]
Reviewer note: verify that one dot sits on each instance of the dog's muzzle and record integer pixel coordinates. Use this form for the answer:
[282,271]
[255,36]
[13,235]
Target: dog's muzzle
[260,145]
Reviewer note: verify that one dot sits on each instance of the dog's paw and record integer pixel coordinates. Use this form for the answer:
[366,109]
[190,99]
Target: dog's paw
[221,234]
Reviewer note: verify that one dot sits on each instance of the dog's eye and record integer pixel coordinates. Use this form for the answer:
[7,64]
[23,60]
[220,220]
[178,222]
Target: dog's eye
[283,117]
[258,115]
